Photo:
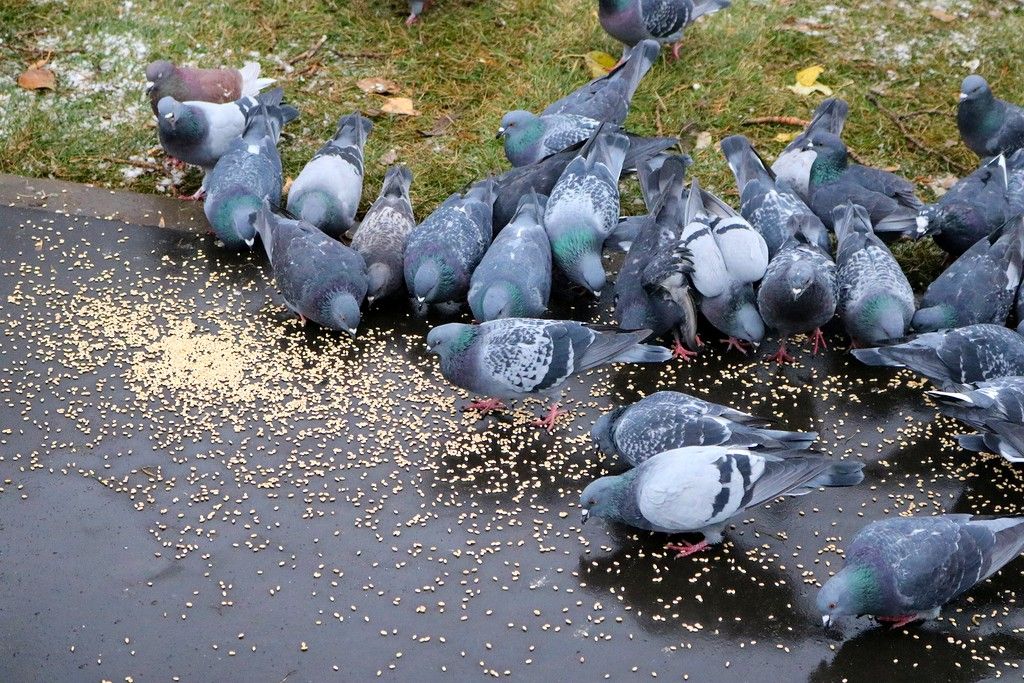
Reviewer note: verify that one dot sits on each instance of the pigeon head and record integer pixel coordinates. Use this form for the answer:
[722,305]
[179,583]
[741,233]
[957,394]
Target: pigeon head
[800,277]
[172,115]
[580,259]
[157,72]
[851,592]
[341,312]
[602,432]
[396,182]
[429,282]
[450,340]
[830,157]
[748,324]
[502,300]
[879,320]
[521,131]
[975,88]
[935,318]
[379,277]
[602,498]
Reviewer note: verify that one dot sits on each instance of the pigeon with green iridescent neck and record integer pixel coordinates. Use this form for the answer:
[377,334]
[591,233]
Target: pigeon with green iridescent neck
[793,165]
[513,279]
[988,125]
[446,247]
[518,357]
[326,192]
[583,209]
[320,278]
[631,21]
[980,286]
[188,84]
[876,302]
[698,489]
[994,408]
[888,198]
[903,569]
[528,138]
[383,232]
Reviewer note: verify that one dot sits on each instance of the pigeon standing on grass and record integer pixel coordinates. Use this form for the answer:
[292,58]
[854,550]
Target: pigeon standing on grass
[443,250]
[382,234]
[528,138]
[698,489]
[988,125]
[980,286]
[995,408]
[771,205]
[903,569]
[320,278]
[583,209]
[965,355]
[513,279]
[888,198]
[798,293]
[326,192]
[794,164]
[631,21]
[876,302]
[187,84]
[519,357]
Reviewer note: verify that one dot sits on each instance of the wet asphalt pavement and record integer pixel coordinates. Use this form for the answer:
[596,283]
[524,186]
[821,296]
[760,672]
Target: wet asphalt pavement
[193,487]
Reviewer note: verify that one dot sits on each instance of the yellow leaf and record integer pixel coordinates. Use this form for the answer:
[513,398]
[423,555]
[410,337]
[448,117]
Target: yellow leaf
[399,105]
[599,63]
[785,137]
[809,76]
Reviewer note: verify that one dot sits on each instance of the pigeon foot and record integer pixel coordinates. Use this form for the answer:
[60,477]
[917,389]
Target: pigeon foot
[898,621]
[548,421]
[486,406]
[782,355]
[734,343]
[680,351]
[684,549]
[818,342]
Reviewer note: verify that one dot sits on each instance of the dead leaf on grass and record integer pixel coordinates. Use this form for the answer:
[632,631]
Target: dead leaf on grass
[37,78]
[379,86]
[401,106]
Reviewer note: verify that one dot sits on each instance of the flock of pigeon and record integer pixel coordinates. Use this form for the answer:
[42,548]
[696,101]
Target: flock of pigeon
[498,245]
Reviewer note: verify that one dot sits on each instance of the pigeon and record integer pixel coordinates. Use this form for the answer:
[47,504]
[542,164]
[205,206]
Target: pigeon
[606,99]
[888,199]
[669,419]
[187,84]
[728,256]
[971,209]
[794,164]
[583,209]
[980,286]
[443,250]
[382,234]
[320,278]
[326,192]
[529,138]
[995,408]
[246,176]
[541,177]
[200,133]
[965,355]
[798,293]
[988,125]
[903,569]
[518,357]
[631,21]
[770,204]
[698,489]
[513,279]
[876,302]
[654,290]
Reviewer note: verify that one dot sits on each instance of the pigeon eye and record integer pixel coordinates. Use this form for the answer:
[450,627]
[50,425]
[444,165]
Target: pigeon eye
[831,605]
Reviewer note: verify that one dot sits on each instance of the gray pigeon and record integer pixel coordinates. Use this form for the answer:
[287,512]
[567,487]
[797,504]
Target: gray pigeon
[326,192]
[799,293]
[729,256]
[187,84]
[980,286]
[903,569]
[382,234]
[246,176]
[770,205]
[876,302]
[794,164]
[528,138]
[965,355]
[443,250]
[888,198]
[606,99]
[631,21]
[995,408]
[698,489]
[988,125]
[971,209]
[669,419]
[513,279]
[583,209]
[653,290]
[519,357]
[200,133]
[320,278]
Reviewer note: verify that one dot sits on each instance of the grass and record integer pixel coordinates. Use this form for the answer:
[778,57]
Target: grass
[475,59]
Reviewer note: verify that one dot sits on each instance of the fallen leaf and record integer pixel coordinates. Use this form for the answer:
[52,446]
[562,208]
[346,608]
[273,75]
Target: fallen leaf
[941,184]
[703,140]
[599,63]
[942,15]
[37,78]
[287,185]
[440,127]
[399,105]
[785,137]
[389,157]
[807,82]
[379,86]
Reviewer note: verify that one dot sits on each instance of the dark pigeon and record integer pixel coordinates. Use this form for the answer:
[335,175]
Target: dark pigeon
[995,408]
[988,125]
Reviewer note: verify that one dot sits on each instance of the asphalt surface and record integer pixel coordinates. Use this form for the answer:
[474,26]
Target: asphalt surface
[193,487]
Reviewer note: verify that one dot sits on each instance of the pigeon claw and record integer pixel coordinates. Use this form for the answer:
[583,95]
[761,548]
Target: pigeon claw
[818,342]
[550,418]
[411,20]
[782,355]
[486,406]
[680,351]
[675,51]
[734,343]
[898,621]
[684,549]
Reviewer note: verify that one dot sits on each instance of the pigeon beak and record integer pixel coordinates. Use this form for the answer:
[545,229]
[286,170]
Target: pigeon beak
[797,291]
[369,300]
[584,516]
[421,299]
[501,133]
[826,620]
[963,96]
[149,86]
[352,332]
[249,242]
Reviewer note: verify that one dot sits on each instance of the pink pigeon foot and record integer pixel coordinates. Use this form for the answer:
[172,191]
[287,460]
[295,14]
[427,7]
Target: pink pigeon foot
[302,319]
[411,20]
[197,196]
[898,621]
[486,406]
[675,51]
[818,342]
[680,351]
[739,344]
[548,421]
[684,549]
[782,355]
